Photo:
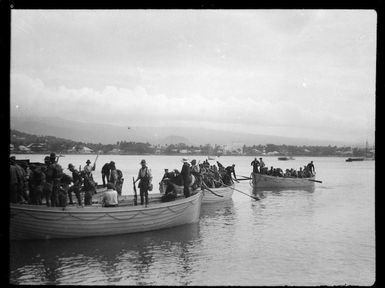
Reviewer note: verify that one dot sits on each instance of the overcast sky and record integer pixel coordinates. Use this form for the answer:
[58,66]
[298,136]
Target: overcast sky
[301,73]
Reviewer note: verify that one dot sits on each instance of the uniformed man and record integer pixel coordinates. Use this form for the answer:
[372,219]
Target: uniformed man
[261,164]
[88,169]
[77,180]
[17,182]
[311,168]
[186,177]
[106,173]
[230,170]
[57,172]
[145,178]
[255,163]
[113,173]
[36,182]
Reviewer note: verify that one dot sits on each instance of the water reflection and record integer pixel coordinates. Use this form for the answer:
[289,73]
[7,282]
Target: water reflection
[144,259]
[55,259]
[219,209]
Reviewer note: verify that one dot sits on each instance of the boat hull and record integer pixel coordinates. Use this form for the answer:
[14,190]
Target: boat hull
[39,222]
[354,159]
[267,181]
[209,197]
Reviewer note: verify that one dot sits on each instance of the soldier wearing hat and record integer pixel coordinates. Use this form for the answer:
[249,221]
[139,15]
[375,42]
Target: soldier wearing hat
[186,177]
[53,158]
[53,175]
[145,184]
[311,169]
[261,163]
[194,166]
[77,180]
[36,182]
[113,173]
[255,163]
[230,171]
[88,169]
[106,173]
[50,174]
[17,188]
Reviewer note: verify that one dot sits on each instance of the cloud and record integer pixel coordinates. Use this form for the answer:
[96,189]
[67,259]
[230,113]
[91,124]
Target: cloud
[274,72]
[122,106]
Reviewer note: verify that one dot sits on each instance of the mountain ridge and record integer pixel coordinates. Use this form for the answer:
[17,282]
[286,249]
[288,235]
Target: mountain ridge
[108,134]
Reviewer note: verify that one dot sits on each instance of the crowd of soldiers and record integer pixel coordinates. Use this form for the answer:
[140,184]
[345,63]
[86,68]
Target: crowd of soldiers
[305,172]
[212,176]
[33,183]
[37,181]
[215,176]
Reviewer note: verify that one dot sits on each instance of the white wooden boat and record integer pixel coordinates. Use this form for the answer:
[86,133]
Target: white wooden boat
[41,222]
[267,181]
[354,159]
[226,192]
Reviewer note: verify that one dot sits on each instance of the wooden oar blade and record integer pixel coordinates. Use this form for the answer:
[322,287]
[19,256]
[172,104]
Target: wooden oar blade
[212,192]
[204,186]
[244,179]
[318,181]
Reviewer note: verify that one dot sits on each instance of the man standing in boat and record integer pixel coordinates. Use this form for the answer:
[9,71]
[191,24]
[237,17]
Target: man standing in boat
[145,178]
[310,166]
[195,170]
[106,174]
[255,163]
[17,174]
[36,183]
[53,176]
[230,170]
[261,165]
[113,173]
[88,169]
[186,177]
[77,180]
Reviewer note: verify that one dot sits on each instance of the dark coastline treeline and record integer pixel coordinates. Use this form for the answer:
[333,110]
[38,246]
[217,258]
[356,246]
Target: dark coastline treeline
[27,143]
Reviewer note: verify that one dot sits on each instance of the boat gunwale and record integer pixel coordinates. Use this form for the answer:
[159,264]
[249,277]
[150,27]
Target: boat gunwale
[100,209]
[286,178]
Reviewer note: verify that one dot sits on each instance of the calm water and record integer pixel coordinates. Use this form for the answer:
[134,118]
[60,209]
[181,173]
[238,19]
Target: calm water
[292,237]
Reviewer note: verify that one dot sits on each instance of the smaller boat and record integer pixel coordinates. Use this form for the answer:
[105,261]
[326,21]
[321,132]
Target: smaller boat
[284,158]
[209,197]
[354,159]
[226,192]
[266,181]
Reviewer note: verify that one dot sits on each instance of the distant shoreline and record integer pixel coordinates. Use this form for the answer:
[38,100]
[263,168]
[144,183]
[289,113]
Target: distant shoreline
[181,155]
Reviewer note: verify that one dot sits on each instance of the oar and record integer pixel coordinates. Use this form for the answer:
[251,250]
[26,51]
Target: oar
[255,198]
[135,193]
[95,161]
[208,189]
[314,180]
[244,179]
